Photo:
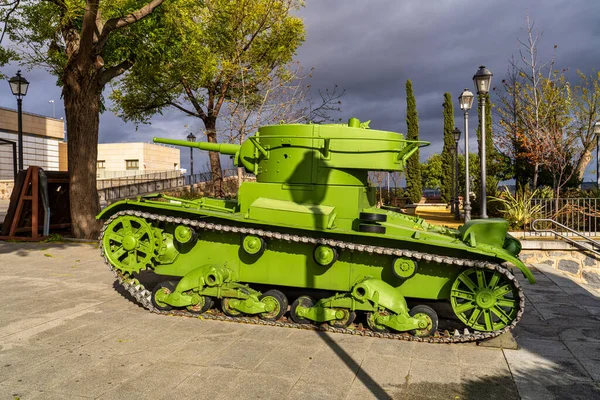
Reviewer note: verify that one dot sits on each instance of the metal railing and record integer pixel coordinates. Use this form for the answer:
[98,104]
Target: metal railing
[109,194]
[579,216]
[133,179]
[586,243]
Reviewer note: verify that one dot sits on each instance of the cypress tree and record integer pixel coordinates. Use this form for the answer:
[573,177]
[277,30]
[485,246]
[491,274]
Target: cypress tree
[414,189]
[447,154]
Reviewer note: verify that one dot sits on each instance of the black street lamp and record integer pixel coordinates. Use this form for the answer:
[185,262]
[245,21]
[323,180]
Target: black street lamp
[482,80]
[191,138]
[19,86]
[456,133]
[466,102]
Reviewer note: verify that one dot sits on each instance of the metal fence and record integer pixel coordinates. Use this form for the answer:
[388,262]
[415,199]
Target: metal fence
[134,179]
[581,215]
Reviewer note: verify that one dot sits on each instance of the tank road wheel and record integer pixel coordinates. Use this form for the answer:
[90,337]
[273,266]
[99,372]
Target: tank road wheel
[484,300]
[428,314]
[203,305]
[129,243]
[276,302]
[372,315]
[304,301]
[228,310]
[160,290]
[345,321]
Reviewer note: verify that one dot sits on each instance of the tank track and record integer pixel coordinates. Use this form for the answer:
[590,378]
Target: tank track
[143,296]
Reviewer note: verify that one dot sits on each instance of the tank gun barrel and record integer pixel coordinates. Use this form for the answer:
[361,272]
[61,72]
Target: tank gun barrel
[223,148]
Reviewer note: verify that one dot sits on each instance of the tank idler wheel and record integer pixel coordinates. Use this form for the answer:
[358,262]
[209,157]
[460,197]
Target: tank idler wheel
[275,300]
[228,310]
[166,288]
[346,321]
[372,217]
[304,301]
[372,315]
[427,313]
[205,304]
[484,300]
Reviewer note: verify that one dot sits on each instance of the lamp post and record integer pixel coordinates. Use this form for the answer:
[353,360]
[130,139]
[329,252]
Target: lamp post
[191,138]
[482,79]
[19,86]
[456,133]
[53,108]
[597,132]
[466,102]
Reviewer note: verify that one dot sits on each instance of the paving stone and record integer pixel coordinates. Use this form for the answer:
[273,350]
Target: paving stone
[589,355]
[243,354]
[437,353]
[573,391]
[534,331]
[544,361]
[208,383]
[287,361]
[153,381]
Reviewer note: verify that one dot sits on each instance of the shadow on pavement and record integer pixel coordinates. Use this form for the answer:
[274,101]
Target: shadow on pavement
[23,249]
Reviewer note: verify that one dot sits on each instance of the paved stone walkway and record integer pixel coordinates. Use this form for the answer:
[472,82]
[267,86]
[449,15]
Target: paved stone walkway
[66,333]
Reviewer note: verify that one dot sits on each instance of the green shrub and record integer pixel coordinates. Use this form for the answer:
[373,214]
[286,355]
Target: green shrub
[519,210]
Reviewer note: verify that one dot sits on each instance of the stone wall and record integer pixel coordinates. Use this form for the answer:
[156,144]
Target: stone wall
[572,261]
[6,188]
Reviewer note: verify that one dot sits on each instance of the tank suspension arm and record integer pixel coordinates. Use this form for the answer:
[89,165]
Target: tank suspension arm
[223,148]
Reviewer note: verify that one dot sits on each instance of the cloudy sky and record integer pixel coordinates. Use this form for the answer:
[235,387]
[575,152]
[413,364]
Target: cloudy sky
[370,48]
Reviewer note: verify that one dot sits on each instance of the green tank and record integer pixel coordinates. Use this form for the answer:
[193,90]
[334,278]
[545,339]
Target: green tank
[306,246]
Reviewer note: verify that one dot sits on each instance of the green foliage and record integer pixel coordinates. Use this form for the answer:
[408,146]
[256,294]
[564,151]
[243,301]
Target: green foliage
[38,29]
[447,157]
[431,172]
[518,210]
[215,51]
[53,238]
[545,192]
[414,187]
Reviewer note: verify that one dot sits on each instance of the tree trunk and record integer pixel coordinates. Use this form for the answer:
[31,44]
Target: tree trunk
[536,169]
[82,110]
[584,160]
[215,160]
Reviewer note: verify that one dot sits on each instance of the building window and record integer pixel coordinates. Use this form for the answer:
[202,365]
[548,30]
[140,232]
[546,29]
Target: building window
[100,164]
[176,165]
[132,164]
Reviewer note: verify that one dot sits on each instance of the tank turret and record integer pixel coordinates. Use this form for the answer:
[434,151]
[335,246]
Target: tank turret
[332,154]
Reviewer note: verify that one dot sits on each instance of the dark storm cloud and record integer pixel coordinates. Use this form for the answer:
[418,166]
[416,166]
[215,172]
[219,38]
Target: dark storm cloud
[370,48]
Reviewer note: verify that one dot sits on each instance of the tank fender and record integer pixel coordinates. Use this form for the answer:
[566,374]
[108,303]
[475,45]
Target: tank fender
[382,294]
[519,264]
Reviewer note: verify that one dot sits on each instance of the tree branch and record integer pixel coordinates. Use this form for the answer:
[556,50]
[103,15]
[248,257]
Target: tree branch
[117,23]
[86,40]
[190,95]
[114,71]
[15,4]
